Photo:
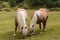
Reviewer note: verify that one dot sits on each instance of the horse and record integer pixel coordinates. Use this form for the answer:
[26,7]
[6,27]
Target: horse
[20,21]
[38,17]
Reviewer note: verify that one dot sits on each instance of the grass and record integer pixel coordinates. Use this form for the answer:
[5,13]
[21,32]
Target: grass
[7,27]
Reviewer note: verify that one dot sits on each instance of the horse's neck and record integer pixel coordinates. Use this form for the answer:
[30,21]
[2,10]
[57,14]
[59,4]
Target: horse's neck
[34,20]
[21,18]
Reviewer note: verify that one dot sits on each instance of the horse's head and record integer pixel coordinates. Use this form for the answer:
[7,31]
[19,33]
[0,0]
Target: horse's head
[24,31]
[31,29]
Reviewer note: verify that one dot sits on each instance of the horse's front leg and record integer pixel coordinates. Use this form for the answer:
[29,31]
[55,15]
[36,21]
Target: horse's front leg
[16,25]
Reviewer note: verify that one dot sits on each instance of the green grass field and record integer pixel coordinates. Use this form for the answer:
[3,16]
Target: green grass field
[7,27]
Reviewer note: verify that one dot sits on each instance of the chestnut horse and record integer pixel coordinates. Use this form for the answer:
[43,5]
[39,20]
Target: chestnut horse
[20,21]
[38,17]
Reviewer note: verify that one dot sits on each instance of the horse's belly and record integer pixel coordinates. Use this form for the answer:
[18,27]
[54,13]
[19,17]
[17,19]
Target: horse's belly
[39,21]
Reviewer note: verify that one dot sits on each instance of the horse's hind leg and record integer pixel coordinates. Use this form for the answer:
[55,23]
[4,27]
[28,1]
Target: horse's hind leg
[40,27]
[44,24]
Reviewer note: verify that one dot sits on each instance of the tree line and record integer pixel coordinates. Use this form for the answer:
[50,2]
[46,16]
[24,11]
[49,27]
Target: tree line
[34,3]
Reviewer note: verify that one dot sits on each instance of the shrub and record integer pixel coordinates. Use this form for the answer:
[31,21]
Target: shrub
[54,9]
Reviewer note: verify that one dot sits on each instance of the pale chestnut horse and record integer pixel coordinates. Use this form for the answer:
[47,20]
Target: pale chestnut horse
[20,21]
[38,17]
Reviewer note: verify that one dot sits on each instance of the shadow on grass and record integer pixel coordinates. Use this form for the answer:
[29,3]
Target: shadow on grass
[9,35]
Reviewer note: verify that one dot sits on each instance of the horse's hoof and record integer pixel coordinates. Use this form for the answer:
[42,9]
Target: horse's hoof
[23,37]
[32,34]
[40,32]
[14,35]
[44,30]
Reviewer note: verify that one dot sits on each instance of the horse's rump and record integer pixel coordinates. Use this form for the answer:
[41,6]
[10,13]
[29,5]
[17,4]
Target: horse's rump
[44,13]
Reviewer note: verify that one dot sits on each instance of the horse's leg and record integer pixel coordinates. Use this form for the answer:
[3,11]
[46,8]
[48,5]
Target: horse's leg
[44,24]
[40,27]
[16,25]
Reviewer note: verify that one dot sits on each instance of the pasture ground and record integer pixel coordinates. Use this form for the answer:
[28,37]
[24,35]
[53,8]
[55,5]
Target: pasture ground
[7,27]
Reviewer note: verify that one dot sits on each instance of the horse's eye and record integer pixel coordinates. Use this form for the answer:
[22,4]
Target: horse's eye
[22,27]
[32,25]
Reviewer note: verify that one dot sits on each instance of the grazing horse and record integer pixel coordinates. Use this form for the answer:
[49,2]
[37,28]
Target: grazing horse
[38,17]
[20,21]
